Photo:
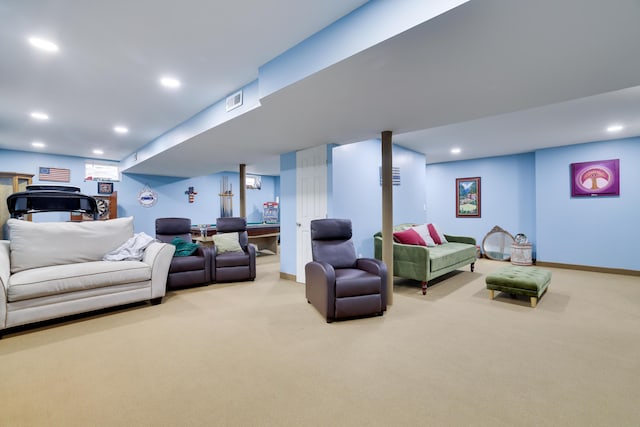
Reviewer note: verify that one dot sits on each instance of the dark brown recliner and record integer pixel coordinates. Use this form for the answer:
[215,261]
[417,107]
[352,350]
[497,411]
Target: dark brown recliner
[339,284]
[190,270]
[234,266]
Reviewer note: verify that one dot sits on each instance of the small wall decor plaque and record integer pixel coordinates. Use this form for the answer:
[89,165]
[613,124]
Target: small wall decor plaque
[191,193]
[147,197]
[598,178]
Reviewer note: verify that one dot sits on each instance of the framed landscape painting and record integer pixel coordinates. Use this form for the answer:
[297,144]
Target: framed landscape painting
[468,197]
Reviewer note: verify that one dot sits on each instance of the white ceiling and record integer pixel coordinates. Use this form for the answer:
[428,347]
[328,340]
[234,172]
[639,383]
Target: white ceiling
[491,77]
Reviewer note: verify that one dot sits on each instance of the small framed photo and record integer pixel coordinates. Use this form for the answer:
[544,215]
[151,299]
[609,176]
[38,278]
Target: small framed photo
[468,197]
[105,187]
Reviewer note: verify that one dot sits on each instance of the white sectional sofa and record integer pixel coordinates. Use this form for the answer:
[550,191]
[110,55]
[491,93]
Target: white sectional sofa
[55,269]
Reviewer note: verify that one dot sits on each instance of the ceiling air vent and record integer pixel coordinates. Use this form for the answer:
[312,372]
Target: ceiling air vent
[234,101]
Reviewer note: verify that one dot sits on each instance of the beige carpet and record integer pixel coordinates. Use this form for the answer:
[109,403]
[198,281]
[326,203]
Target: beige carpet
[256,354]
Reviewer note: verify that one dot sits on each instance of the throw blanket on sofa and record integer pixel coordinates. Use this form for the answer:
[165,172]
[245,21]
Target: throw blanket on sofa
[183,248]
[132,249]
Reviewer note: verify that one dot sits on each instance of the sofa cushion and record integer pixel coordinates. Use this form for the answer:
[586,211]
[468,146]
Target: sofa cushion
[188,263]
[352,282]
[59,279]
[233,259]
[41,244]
[448,254]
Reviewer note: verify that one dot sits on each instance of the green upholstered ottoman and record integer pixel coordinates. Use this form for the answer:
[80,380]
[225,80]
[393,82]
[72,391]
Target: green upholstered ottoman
[513,279]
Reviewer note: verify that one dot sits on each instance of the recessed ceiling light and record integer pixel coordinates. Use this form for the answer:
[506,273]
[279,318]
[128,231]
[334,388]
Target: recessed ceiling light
[43,44]
[120,129]
[98,151]
[170,82]
[455,151]
[615,128]
[39,115]
[38,144]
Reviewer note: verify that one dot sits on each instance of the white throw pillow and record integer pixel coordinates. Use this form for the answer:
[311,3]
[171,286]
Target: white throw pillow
[423,231]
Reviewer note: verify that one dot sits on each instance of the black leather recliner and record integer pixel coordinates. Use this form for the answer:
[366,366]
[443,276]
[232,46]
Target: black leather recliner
[234,266]
[190,270]
[338,284]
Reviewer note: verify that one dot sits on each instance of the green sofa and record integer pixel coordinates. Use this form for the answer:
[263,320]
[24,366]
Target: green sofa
[425,263]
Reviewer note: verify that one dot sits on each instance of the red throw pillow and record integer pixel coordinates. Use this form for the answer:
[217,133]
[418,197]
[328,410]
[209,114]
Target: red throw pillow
[409,237]
[434,234]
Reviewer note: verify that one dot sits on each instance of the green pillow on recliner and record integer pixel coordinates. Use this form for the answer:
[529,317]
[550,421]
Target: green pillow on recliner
[183,248]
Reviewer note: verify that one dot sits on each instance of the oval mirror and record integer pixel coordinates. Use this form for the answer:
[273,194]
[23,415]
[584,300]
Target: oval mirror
[497,243]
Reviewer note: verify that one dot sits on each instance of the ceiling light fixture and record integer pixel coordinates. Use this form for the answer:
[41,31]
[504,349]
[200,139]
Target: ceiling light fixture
[120,129]
[43,44]
[38,144]
[170,82]
[38,115]
[615,128]
[455,151]
[96,151]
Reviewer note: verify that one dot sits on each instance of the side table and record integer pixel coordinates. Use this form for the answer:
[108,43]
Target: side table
[521,253]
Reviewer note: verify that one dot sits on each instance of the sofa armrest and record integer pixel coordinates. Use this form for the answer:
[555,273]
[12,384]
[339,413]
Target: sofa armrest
[411,261]
[460,239]
[5,272]
[158,255]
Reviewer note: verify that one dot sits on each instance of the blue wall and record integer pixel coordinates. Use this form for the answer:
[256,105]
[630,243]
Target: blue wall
[507,195]
[288,213]
[530,193]
[354,192]
[358,193]
[526,193]
[172,200]
[593,231]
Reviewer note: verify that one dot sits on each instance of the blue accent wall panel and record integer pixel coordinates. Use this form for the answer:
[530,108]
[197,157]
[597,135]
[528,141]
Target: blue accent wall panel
[507,195]
[357,193]
[593,231]
[288,213]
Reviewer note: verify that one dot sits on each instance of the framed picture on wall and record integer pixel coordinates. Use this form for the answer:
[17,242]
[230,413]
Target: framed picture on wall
[599,178]
[468,197]
[105,187]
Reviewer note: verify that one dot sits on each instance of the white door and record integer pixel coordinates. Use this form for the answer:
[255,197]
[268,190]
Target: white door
[311,200]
